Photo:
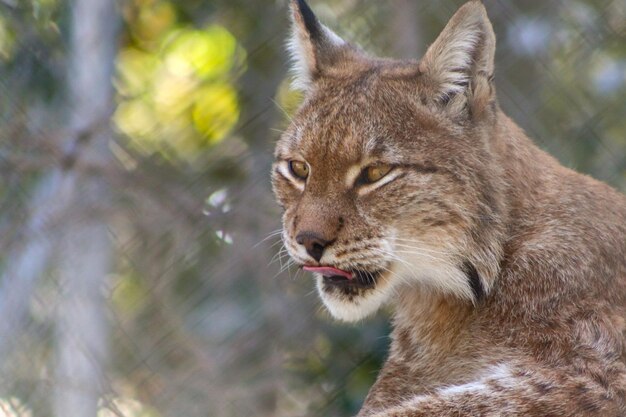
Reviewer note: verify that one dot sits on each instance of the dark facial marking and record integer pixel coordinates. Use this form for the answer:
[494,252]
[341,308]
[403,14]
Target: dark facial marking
[340,224]
[474,280]
[422,168]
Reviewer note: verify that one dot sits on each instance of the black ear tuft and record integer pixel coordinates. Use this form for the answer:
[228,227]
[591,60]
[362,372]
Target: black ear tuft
[310,21]
[313,47]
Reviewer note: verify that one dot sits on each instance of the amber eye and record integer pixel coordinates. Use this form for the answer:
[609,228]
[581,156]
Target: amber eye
[299,169]
[374,173]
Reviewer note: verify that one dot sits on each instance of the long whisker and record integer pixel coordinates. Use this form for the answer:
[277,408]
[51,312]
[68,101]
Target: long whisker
[285,267]
[419,253]
[269,236]
[277,254]
[399,239]
[415,252]
[391,255]
[276,243]
[282,109]
[421,248]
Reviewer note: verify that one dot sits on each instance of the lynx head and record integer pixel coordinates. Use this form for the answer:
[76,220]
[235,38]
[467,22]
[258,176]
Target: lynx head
[387,174]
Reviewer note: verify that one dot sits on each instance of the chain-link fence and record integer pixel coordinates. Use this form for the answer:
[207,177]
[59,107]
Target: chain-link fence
[141,270]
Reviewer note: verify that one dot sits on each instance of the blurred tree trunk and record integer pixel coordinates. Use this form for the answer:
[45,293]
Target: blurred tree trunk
[26,264]
[84,252]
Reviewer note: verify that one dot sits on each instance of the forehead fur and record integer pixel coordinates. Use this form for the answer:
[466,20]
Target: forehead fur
[374,107]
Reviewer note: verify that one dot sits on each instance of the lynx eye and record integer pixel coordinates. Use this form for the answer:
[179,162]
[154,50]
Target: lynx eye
[374,173]
[299,169]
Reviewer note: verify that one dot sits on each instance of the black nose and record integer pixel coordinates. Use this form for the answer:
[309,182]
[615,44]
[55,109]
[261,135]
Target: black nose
[313,243]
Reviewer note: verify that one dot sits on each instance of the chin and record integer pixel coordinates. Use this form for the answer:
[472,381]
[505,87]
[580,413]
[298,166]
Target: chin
[351,303]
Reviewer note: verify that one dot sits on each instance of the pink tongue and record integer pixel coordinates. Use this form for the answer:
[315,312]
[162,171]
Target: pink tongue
[328,271]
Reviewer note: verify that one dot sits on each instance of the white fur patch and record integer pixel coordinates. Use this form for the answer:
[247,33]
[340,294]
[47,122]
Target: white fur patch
[370,301]
[432,267]
[463,388]
[300,72]
[358,309]
[302,52]
[499,374]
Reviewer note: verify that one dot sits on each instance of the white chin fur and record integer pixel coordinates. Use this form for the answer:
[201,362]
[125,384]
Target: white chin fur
[437,272]
[357,309]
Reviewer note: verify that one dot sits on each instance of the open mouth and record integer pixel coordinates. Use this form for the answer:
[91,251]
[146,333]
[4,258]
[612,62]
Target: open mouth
[339,277]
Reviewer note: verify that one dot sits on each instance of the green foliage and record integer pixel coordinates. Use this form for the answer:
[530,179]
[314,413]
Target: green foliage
[7,39]
[176,84]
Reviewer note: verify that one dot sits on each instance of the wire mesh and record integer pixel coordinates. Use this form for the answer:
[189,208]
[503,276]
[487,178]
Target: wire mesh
[142,270]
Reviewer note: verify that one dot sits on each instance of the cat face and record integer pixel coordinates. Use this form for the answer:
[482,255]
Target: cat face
[382,186]
[365,196]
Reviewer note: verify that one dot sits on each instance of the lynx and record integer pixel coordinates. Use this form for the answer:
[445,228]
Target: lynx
[404,184]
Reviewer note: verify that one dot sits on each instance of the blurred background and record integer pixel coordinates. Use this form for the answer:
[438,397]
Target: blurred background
[141,273]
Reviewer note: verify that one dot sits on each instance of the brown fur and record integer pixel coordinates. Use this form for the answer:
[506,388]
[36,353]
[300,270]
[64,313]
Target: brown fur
[536,326]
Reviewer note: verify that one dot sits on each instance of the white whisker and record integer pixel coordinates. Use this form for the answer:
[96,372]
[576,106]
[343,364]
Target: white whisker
[269,236]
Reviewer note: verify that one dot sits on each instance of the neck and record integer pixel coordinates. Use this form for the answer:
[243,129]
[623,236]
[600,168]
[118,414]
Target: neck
[428,315]
[518,158]
[428,319]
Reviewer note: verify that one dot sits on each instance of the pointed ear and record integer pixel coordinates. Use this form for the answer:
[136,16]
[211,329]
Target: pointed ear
[313,47]
[458,67]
